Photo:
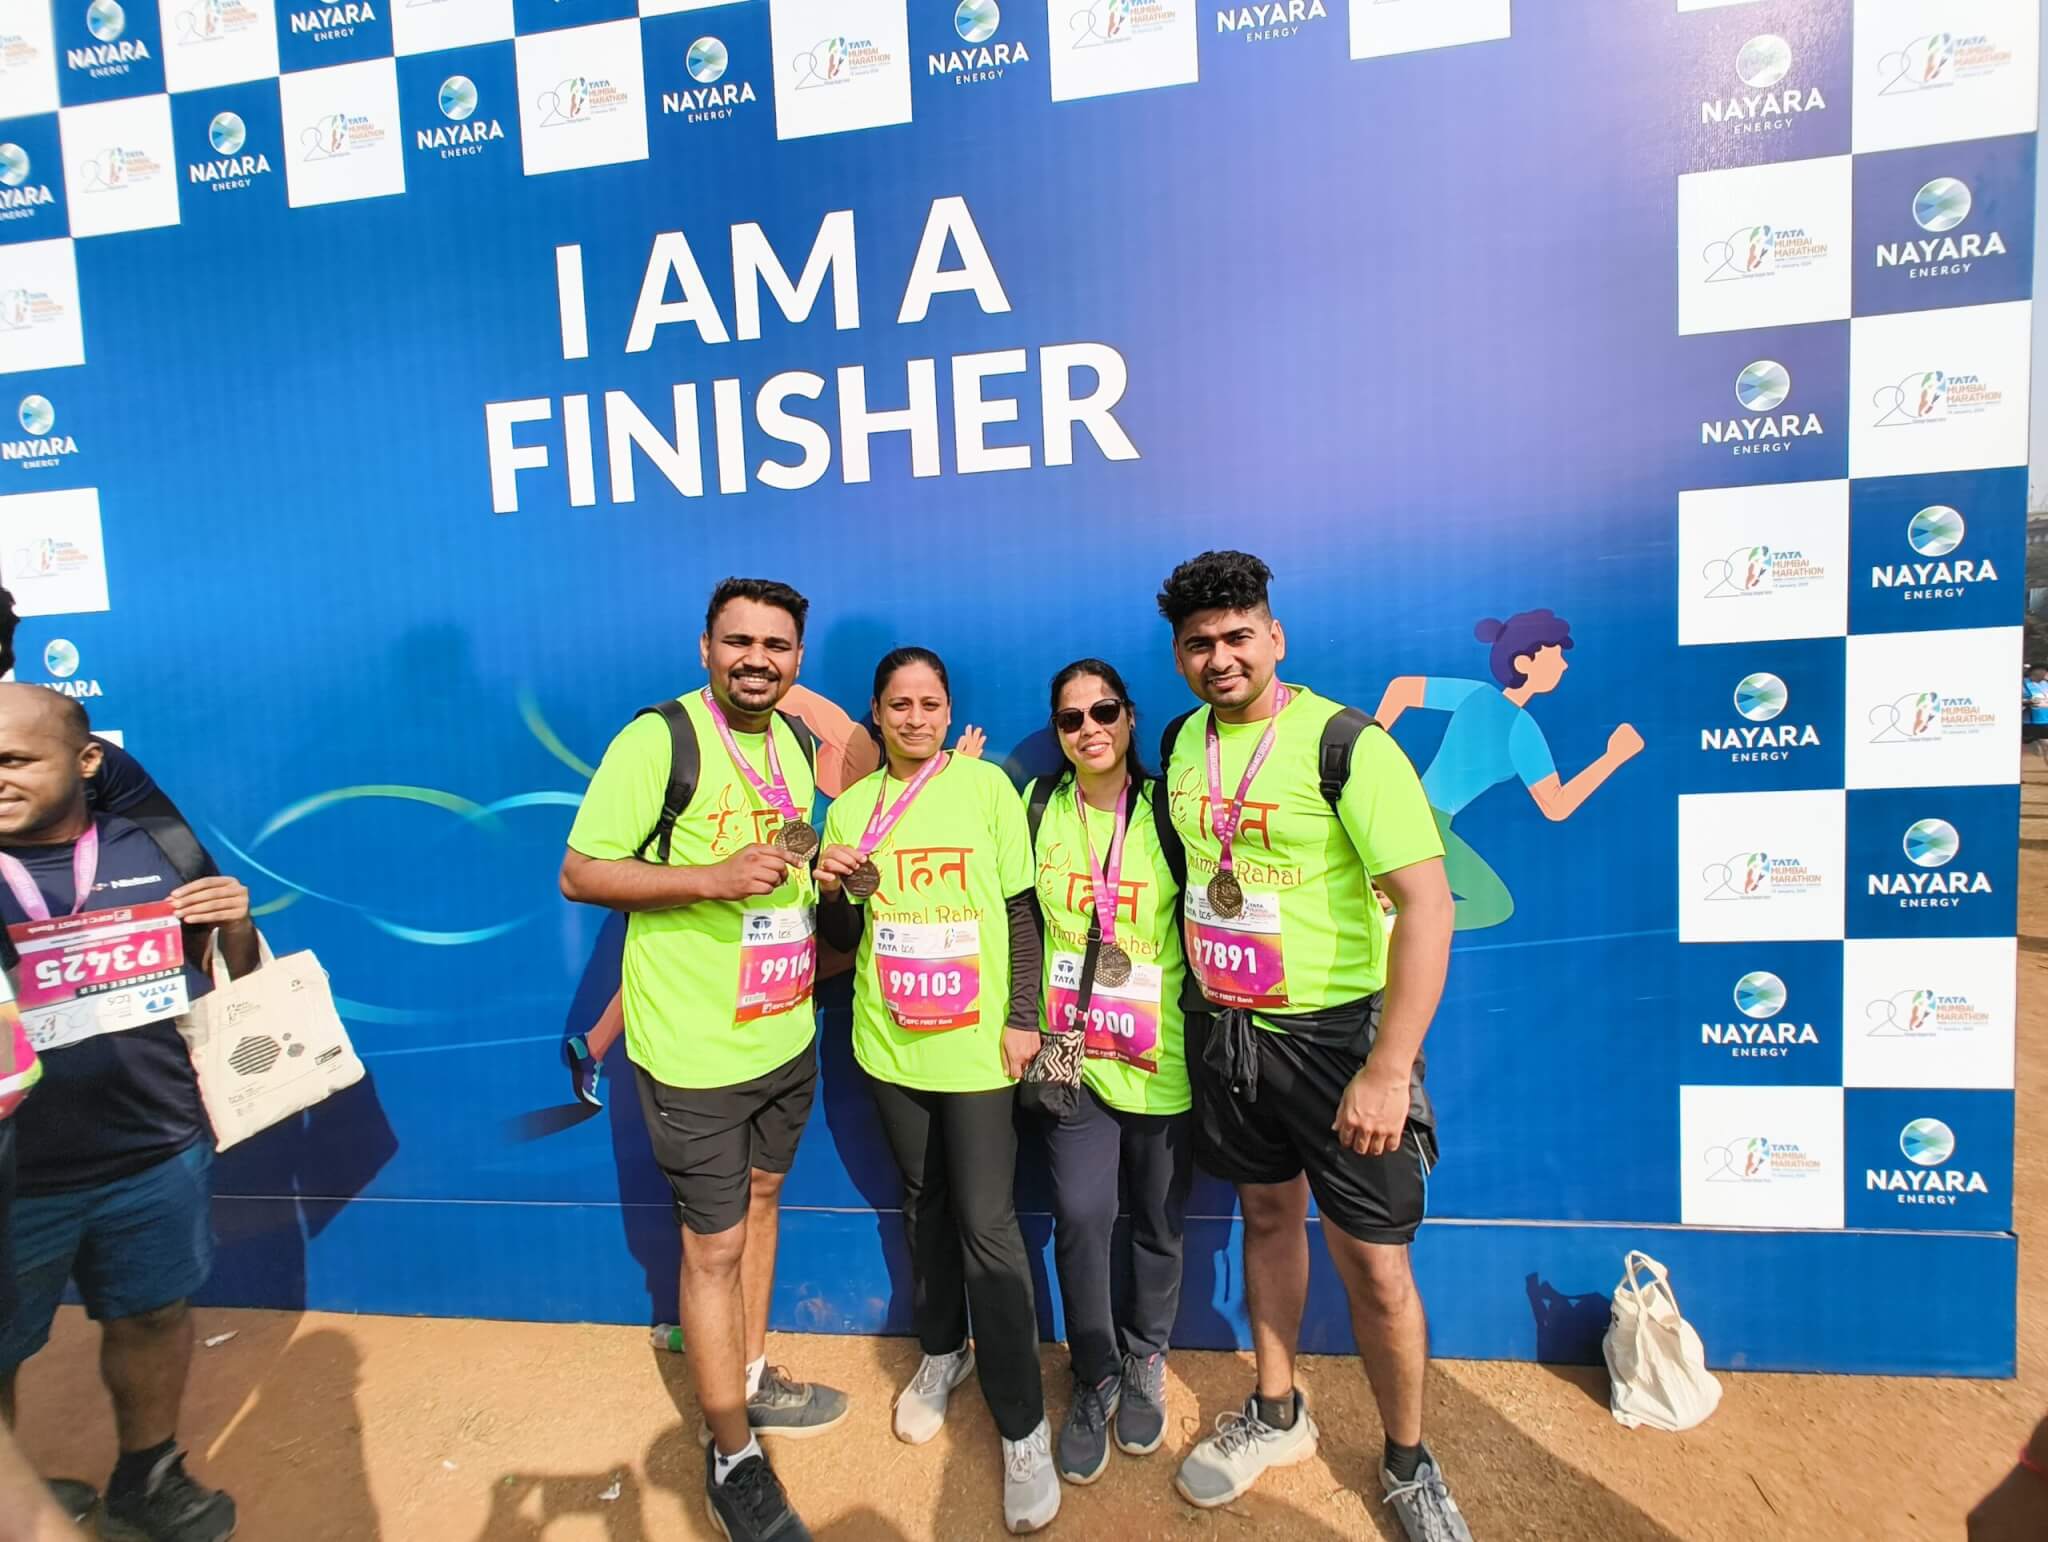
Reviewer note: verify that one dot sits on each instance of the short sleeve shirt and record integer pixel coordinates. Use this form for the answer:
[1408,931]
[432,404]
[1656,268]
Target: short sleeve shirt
[681,975]
[1292,844]
[1489,740]
[958,854]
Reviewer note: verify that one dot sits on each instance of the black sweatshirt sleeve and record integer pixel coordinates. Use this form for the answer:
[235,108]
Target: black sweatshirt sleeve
[839,921]
[1027,961]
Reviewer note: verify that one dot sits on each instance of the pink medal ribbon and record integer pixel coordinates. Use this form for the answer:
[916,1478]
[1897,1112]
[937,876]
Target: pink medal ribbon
[774,791]
[1112,964]
[1223,819]
[85,866]
[867,878]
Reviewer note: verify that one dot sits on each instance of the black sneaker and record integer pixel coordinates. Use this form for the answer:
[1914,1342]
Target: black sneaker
[1141,1414]
[749,1506]
[170,1507]
[77,1500]
[1084,1438]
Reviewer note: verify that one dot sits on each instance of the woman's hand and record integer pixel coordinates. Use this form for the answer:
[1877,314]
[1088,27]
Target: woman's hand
[1020,1048]
[834,863]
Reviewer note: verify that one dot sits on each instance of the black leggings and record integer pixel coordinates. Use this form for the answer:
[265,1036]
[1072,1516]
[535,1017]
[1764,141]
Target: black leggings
[1154,1154]
[958,1155]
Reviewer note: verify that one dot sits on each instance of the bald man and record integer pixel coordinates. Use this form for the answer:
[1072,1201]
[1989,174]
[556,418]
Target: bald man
[113,1148]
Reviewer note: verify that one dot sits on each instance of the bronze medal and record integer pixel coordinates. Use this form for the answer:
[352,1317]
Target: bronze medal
[863,881]
[1112,966]
[1226,896]
[797,838]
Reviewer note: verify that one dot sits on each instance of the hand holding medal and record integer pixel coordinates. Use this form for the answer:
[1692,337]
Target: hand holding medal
[863,879]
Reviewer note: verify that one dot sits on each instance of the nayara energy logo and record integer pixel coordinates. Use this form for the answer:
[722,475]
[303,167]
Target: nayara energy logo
[713,96]
[231,169]
[1938,207]
[1753,572]
[19,197]
[1767,104]
[212,21]
[43,446]
[1759,1159]
[329,23]
[464,133]
[1928,1144]
[834,61]
[1931,845]
[1934,534]
[1760,390]
[1754,876]
[1112,23]
[60,663]
[1760,251]
[985,57]
[1760,698]
[1761,1033]
[1264,23]
[112,55]
[1936,61]
[577,100]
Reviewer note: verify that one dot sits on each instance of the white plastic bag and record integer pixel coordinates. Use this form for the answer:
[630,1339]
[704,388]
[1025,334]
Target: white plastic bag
[266,1045]
[1654,1358]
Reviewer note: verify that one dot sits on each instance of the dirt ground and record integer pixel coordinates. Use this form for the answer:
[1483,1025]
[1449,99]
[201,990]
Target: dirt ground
[329,1428]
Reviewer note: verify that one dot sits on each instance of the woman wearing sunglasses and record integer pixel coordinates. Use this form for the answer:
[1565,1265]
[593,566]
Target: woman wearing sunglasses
[926,863]
[1107,889]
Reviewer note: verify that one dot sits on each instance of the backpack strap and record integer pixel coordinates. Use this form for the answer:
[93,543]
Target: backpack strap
[684,762]
[1333,754]
[805,739]
[1169,838]
[1168,740]
[160,820]
[1042,790]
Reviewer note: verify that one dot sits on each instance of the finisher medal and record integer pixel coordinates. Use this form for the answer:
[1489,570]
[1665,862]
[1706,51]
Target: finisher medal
[1112,963]
[1112,966]
[863,881]
[797,838]
[1226,896]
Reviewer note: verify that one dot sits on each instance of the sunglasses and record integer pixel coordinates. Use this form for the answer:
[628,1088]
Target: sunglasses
[1068,719]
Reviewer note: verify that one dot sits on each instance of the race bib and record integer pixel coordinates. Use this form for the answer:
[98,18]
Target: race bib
[778,961]
[1123,1020]
[930,973]
[1238,960]
[102,971]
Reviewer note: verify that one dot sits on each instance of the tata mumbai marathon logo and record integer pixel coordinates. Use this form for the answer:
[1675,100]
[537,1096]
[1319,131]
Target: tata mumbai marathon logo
[1762,1032]
[20,194]
[337,135]
[464,133]
[1760,390]
[1937,573]
[1757,877]
[1927,717]
[1760,700]
[1929,396]
[43,446]
[578,100]
[1759,1159]
[1265,23]
[60,663]
[1112,23]
[23,308]
[1930,883]
[985,57]
[214,21]
[1761,251]
[116,169]
[1756,572]
[832,62]
[1773,96]
[1928,1145]
[111,55]
[232,168]
[712,96]
[1938,61]
[1938,208]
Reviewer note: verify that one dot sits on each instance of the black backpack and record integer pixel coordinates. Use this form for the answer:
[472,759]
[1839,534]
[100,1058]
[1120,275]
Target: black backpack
[1333,754]
[685,762]
[1153,790]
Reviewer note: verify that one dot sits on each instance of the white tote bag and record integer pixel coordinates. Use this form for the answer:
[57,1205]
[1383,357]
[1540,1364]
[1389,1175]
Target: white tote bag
[1654,1358]
[267,1045]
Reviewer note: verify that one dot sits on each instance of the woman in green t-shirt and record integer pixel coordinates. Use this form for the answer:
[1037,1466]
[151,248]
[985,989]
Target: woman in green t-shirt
[931,853]
[1104,872]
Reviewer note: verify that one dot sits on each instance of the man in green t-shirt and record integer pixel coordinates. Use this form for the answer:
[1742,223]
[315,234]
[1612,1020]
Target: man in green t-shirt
[1304,1050]
[719,965]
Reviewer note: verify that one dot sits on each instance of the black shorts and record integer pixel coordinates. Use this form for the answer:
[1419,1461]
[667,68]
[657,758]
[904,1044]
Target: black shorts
[1287,1131]
[708,1141]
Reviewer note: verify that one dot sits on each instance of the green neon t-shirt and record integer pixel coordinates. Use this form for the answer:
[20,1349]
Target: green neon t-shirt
[958,853]
[1147,928]
[681,980]
[1293,849]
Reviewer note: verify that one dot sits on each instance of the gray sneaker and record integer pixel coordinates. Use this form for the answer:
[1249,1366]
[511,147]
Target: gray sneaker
[793,1410]
[1141,1412]
[1424,1503]
[1230,1461]
[1084,1438]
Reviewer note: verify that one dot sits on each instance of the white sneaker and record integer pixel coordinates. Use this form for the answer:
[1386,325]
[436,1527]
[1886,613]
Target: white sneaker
[1031,1489]
[921,1409]
[1230,1461]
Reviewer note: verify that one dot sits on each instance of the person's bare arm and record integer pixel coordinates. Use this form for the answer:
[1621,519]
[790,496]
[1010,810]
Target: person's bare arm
[1374,1109]
[630,884]
[1402,692]
[26,1511]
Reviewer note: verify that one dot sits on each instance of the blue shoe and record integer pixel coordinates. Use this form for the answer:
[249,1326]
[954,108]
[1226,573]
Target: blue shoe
[586,1076]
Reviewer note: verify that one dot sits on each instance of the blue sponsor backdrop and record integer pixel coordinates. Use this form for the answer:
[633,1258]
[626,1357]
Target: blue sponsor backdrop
[1361,336]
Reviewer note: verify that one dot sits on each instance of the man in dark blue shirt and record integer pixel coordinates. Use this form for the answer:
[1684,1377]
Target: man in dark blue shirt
[113,1145]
